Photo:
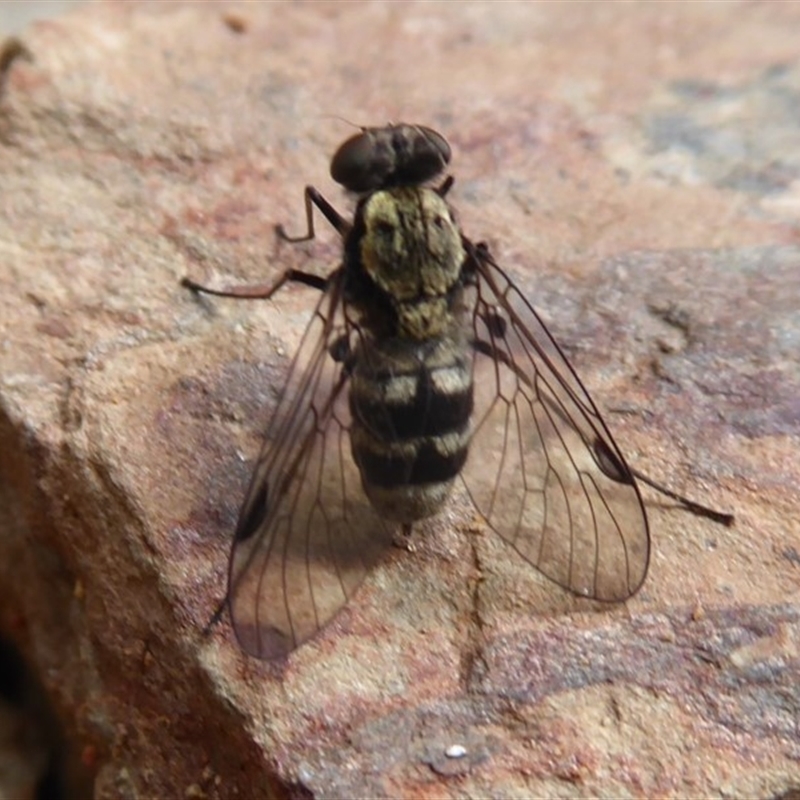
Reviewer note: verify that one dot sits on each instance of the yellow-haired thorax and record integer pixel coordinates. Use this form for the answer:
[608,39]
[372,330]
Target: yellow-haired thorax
[411,249]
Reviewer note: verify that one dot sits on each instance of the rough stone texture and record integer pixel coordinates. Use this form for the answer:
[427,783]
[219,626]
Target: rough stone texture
[637,169]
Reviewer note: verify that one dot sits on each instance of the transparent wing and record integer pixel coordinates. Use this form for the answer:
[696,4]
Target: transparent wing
[543,469]
[306,535]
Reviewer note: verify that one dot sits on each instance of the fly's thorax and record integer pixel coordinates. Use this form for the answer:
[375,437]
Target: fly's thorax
[411,404]
[411,250]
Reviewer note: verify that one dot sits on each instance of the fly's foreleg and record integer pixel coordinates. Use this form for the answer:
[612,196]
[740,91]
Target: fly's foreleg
[314,198]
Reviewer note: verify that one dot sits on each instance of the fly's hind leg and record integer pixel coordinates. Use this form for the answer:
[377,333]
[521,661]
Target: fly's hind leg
[402,539]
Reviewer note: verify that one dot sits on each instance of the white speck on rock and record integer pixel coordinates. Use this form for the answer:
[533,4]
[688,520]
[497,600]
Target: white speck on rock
[456,751]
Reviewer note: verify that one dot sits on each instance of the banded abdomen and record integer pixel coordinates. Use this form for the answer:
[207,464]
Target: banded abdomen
[411,404]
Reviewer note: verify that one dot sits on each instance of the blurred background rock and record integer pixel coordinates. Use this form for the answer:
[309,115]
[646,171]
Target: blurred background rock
[30,746]
[17,14]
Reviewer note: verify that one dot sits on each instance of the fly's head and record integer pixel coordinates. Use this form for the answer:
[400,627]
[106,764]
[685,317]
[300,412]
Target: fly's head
[411,249]
[394,155]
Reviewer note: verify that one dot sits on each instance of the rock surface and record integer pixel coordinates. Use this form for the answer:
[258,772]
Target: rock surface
[635,167]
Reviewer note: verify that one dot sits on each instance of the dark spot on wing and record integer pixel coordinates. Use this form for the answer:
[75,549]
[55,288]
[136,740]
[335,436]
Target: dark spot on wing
[253,517]
[610,463]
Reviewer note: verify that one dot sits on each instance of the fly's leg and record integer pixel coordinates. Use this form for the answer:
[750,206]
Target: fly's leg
[260,291]
[314,198]
[264,291]
[402,540]
[215,618]
[447,185]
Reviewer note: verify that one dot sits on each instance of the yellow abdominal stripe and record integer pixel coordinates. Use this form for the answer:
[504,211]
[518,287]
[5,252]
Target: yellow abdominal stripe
[451,380]
[410,502]
[445,444]
[401,387]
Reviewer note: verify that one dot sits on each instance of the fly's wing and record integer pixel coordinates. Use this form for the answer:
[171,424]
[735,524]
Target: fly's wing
[306,535]
[544,471]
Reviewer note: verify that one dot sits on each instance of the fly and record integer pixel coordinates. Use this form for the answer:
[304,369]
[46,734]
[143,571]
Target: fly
[421,351]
